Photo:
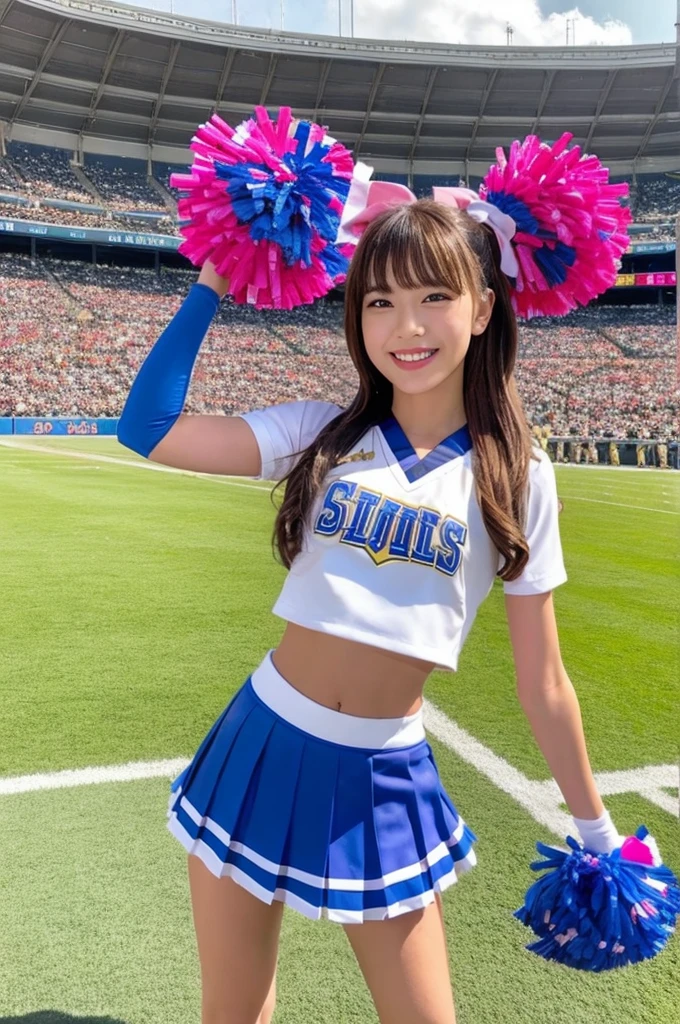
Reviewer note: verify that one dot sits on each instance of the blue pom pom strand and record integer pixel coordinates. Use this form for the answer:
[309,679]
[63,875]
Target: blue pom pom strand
[554,263]
[289,203]
[520,213]
[334,261]
[595,911]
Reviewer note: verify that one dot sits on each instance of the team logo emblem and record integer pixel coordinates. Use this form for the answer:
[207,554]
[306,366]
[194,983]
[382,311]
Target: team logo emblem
[389,530]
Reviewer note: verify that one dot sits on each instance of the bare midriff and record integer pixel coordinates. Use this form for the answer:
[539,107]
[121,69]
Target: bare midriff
[350,677]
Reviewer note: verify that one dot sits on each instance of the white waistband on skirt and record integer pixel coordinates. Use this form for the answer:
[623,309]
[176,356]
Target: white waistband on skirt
[327,724]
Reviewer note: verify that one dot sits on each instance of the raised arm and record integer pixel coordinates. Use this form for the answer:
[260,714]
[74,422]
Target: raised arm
[152,422]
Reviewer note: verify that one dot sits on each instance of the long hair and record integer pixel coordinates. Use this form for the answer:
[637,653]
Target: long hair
[428,244]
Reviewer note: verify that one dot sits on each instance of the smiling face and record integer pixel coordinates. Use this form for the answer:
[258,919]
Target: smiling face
[418,337]
[408,335]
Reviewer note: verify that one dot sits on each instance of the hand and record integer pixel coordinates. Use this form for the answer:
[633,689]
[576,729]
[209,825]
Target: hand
[212,279]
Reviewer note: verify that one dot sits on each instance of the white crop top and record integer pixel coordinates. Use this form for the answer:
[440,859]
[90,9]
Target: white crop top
[397,554]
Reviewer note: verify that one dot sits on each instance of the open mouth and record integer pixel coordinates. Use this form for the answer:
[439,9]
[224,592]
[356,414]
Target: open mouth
[414,358]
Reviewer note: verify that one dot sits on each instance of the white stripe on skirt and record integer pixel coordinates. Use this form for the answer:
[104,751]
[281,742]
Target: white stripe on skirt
[318,881]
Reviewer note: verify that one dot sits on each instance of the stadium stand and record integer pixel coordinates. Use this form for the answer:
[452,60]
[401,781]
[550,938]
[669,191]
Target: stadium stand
[87,219]
[44,172]
[603,370]
[658,196]
[123,183]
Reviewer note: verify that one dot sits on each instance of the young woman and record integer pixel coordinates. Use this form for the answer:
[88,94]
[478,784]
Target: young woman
[316,786]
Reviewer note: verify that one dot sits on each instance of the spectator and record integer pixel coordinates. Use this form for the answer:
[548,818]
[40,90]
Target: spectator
[74,350]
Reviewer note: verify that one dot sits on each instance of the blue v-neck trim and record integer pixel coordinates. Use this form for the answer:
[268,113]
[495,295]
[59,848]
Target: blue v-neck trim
[415,468]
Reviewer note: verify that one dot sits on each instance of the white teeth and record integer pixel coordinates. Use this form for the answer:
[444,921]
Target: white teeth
[414,358]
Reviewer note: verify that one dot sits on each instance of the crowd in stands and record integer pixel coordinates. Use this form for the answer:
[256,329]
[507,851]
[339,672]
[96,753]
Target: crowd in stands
[84,219]
[603,370]
[43,172]
[72,337]
[147,225]
[657,196]
[660,233]
[9,182]
[122,184]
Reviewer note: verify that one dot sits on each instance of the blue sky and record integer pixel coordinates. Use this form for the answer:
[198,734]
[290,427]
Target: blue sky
[535,22]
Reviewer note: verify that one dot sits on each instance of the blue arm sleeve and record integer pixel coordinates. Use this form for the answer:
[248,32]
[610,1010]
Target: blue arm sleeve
[160,388]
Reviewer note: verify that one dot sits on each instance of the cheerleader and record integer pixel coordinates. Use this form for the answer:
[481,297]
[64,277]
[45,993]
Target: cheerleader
[316,787]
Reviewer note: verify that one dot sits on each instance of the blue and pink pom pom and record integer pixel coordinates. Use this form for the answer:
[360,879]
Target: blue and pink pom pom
[263,202]
[570,225]
[600,911]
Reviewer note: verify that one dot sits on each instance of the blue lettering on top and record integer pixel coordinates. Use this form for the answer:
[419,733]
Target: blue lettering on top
[357,531]
[400,548]
[452,536]
[423,551]
[390,531]
[383,525]
[333,514]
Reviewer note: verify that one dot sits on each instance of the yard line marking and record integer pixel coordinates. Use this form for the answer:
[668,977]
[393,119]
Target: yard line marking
[649,782]
[542,799]
[619,504]
[236,482]
[533,796]
[620,469]
[68,778]
[233,482]
[611,784]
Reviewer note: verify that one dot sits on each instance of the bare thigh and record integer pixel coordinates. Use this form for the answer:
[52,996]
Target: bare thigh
[406,966]
[238,939]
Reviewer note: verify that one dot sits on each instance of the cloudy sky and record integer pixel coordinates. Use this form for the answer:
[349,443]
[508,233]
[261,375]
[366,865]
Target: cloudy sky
[535,22]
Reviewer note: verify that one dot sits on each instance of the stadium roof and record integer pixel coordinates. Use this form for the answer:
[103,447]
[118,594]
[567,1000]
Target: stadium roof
[106,77]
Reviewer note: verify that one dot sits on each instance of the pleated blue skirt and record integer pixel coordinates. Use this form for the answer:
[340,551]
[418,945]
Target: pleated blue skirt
[337,816]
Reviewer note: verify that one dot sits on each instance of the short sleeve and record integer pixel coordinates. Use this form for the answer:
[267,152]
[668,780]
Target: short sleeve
[545,568]
[283,431]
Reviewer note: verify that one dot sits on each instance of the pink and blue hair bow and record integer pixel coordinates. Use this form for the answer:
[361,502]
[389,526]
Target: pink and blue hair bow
[368,199]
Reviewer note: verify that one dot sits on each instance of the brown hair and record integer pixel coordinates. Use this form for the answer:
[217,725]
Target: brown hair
[429,244]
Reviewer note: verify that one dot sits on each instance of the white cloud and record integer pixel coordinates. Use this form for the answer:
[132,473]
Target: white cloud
[482,22]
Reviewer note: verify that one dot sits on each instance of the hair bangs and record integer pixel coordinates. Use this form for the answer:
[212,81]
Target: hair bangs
[419,243]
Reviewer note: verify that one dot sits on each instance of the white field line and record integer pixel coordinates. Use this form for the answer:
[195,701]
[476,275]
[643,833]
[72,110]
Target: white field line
[540,803]
[542,800]
[621,504]
[619,469]
[130,772]
[92,457]
[236,482]
[646,782]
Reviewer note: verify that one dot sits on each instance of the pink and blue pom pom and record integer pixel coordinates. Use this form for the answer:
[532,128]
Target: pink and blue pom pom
[264,203]
[600,911]
[570,225]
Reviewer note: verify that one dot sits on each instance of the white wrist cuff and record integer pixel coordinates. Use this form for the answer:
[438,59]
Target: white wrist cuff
[599,834]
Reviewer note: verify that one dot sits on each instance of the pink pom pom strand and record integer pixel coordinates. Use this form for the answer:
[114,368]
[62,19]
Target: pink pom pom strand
[569,195]
[257,271]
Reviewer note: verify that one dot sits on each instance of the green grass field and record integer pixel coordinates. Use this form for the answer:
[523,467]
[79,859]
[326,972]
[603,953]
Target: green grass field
[135,604]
